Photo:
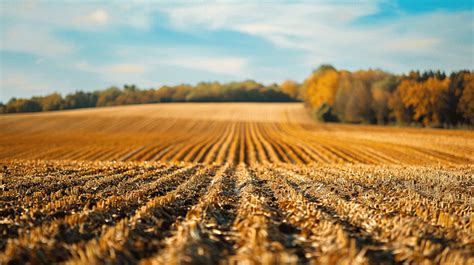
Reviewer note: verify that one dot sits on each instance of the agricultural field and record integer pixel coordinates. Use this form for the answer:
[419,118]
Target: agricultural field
[222,132]
[230,183]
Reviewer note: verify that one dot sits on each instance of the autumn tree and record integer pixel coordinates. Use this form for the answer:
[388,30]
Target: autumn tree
[291,88]
[130,95]
[342,95]
[398,112]
[320,90]
[80,99]
[108,97]
[381,93]
[22,105]
[358,109]
[426,98]
[322,86]
[51,102]
[361,106]
[466,101]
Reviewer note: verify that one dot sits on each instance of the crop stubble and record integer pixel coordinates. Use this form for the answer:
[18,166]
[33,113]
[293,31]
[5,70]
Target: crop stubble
[230,183]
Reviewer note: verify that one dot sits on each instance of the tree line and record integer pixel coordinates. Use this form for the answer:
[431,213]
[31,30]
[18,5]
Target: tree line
[246,91]
[377,97]
[365,96]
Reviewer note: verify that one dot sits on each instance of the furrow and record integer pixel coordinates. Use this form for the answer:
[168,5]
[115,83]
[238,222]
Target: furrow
[135,237]
[257,236]
[61,238]
[394,231]
[201,237]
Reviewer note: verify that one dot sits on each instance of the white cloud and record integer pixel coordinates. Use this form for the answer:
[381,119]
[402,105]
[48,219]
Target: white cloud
[329,32]
[414,44]
[20,84]
[27,83]
[124,69]
[99,16]
[219,65]
[141,67]
[116,73]
[325,31]
[191,57]
[120,68]
[94,20]
[38,40]
[73,15]
[32,27]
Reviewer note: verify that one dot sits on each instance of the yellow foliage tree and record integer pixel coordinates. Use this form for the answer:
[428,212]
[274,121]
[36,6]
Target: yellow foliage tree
[321,87]
[427,99]
[291,88]
[380,98]
[398,111]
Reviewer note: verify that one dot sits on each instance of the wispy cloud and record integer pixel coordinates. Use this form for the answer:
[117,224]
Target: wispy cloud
[98,17]
[225,65]
[121,68]
[33,27]
[116,73]
[331,32]
[29,83]
[39,41]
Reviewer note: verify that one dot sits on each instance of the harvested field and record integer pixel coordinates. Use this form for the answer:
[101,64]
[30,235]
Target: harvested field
[230,184]
[222,132]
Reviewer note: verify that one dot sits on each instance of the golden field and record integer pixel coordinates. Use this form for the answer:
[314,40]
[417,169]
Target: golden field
[231,183]
[222,132]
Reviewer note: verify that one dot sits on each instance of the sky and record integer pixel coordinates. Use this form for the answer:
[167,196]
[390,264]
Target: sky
[65,46]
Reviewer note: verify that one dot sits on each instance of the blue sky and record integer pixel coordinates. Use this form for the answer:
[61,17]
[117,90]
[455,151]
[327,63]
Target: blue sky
[64,46]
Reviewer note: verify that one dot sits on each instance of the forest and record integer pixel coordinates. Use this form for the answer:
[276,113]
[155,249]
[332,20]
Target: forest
[377,97]
[429,98]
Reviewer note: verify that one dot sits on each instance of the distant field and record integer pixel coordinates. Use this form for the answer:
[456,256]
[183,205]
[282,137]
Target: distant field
[222,132]
[230,183]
